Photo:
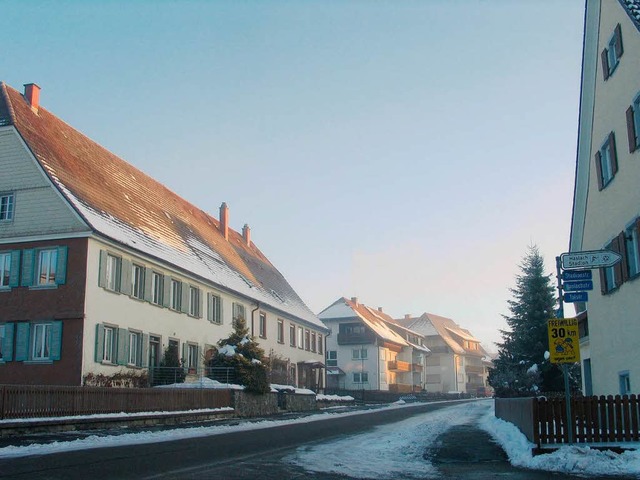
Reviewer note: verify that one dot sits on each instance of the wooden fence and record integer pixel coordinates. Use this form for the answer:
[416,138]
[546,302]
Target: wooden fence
[27,401]
[594,419]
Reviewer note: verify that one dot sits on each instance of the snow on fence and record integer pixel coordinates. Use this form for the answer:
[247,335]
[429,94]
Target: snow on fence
[32,401]
[610,419]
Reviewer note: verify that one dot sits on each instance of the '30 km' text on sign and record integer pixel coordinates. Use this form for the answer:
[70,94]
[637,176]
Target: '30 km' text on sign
[564,340]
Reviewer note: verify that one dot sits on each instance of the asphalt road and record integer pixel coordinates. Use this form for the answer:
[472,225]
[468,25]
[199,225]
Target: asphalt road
[462,452]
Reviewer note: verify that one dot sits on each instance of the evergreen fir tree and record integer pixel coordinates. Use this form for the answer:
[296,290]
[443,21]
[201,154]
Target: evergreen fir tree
[241,352]
[521,368]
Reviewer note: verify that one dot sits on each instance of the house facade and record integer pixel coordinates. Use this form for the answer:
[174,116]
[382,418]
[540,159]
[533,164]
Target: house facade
[606,207]
[103,268]
[367,351]
[457,362]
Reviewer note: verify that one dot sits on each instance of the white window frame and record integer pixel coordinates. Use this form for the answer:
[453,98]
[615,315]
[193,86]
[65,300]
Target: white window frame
[360,377]
[41,341]
[194,301]
[300,338]
[313,342]
[7,206]
[157,287]
[280,334]
[176,294]
[292,335]
[47,266]
[239,312]
[109,344]
[215,308]
[631,249]
[262,325]
[359,354]
[137,281]
[332,358]
[135,344]
[5,269]
[320,342]
[192,356]
[112,272]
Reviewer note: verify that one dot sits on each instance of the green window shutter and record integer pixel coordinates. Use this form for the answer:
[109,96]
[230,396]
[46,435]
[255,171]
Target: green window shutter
[166,296]
[22,342]
[599,170]
[209,307]
[148,285]
[123,346]
[618,41]
[14,277]
[55,344]
[613,153]
[27,267]
[200,303]
[198,357]
[144,359]
[125,276]
[61,266]
[631,129]
[102,276]
[99,343]
[184,352]
[604,57]
[185,291]
[7,344]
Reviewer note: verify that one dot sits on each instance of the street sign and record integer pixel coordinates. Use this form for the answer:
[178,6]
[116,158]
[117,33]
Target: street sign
[564,340]
[590,259]
[577,275]
[577,286]
[573,297]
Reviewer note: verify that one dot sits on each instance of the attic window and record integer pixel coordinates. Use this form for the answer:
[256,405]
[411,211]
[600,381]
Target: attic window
[6,207]
[275,294]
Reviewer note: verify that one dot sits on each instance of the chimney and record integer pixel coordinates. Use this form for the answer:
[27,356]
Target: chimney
[355,300]
[380,309]
[224,220]
[407,316]
[32,95]
[246,234]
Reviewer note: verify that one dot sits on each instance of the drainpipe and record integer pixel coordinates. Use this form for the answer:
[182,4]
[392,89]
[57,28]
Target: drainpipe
[253,315]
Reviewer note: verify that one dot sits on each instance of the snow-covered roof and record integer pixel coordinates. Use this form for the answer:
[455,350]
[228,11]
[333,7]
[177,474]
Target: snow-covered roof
[122,203]
[633,9]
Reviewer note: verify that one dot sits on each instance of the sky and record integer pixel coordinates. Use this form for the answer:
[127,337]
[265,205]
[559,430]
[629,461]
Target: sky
[403,152]
[401,454]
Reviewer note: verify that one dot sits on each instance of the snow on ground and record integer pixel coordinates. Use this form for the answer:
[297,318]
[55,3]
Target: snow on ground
[386,452]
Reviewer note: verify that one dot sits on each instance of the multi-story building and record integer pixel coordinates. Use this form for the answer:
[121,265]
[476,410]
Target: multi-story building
[367,351]
[457,362]
[606,206]
[102,267]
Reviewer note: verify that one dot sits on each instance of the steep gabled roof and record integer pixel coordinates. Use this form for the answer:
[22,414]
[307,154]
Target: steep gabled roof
[429,324]
[632,7]
[122,203]
[374,319]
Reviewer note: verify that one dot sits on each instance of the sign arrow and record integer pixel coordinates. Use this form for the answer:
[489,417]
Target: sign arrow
[589,259]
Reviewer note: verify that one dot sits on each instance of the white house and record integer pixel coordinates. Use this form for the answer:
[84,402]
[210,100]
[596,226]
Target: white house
[606,206]
[102,267]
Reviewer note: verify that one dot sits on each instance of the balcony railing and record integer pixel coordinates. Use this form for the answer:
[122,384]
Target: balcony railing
[356,338]
[398,366]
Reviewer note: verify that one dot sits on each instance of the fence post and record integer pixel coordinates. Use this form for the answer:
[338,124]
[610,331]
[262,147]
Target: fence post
[3,402]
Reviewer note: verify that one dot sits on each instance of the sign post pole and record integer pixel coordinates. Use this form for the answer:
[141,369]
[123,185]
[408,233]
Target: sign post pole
[565,367]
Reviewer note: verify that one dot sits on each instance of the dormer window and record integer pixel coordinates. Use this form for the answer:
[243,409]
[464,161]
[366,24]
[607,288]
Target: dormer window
[7,202]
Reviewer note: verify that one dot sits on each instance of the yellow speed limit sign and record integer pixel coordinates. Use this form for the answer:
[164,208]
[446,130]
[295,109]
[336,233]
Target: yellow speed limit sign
[564,340]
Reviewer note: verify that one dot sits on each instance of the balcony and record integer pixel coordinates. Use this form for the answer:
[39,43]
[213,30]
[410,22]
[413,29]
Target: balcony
[417,367]
[398,366]
[356,338]
[404,388]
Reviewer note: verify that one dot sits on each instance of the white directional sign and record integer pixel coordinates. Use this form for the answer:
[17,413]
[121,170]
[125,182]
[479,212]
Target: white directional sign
[591,259]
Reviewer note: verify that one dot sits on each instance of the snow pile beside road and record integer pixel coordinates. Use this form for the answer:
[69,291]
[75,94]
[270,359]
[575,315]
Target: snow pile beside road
[334,398]
[578,460]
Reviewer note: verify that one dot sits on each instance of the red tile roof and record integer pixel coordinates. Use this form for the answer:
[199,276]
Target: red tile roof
[121,202]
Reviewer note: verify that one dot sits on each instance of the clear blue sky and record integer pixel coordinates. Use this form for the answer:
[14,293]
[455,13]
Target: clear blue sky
[405,152]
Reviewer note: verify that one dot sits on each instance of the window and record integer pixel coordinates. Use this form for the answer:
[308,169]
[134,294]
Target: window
[332,358]
[359,354]
[313,341]
[632,248]
[137,279]
[5,270]
[41,342]
[625,383]
[134,348]
[192,356]
[238,312]
[307,340]
[176,294]
[292,335]
[109,345]
[300,337]
[194,301]
[319,343]
[610,56]
[280,331]
[360,377]
[606,162]
[214,308]
[46,269]
[612,277]
[6,207]
[113,272]
[262,327]
[157,287]
[3,335]
[352,328]
[633,125]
